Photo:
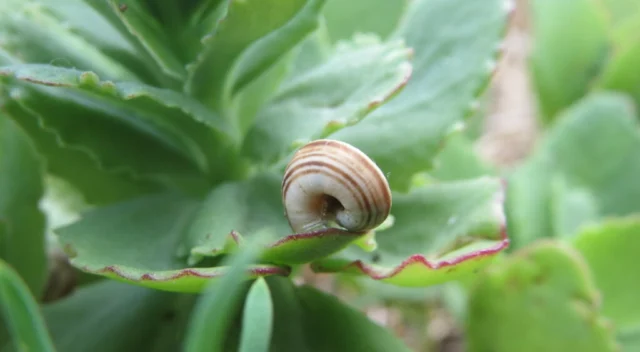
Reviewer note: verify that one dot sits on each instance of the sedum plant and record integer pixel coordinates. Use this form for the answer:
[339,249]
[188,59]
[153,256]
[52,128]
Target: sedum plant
[154,145]
[163,130]
[569,281]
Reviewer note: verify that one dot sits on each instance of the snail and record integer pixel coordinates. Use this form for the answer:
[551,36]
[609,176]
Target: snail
[330,181]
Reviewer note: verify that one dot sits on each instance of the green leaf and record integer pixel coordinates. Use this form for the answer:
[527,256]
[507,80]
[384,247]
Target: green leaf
[273,26]
[621,73]
[214,312]
[611,249]
[630,341]
[170,336]
[75,166]
[289,332]
[137,241]
[459,160]
[111,35]
[170,119]
[621,12]
[79,124]
[566,58]
[571,206]
[359,76]
[346,18]
[528,202]
[33,34]
[21,313]
[151,35]
[312,52]
[246,207]
[571,180]
[349,329]
[455,44]
[22,242]
[267,50]
[248,101]
[108,316]
[309,320]
[84,19]
[442,232]
[301,248]
[257,319]
[535,300]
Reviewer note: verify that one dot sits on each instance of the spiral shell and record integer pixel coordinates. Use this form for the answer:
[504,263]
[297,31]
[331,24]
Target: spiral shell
[327,181]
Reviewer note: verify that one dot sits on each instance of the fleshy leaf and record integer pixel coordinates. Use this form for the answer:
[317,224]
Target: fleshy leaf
[309,320]
[151,35]
[621,12]
[21,313]
[136,241]
[630,340]
[78,125]
[455,43]
[33,34]
[458,160]
[257,319]
[173,119]
[76,166]
[442,232]
[245,207]
[267,50]
[570,180]
[107,34]
[22,242]
[74,325]
[611,249]
[566,59]
[373,16]
[248,101]
[246,23]
[312,52]
[359,76]
[621,73]
[212,317]
[534,300]
[305,247]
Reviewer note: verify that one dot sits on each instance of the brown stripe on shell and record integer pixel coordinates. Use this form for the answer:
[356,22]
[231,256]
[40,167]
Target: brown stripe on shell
[370,196]
[361,159]
[377,201]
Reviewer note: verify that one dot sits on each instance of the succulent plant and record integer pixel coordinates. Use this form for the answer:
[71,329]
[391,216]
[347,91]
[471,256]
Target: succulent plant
[188,159]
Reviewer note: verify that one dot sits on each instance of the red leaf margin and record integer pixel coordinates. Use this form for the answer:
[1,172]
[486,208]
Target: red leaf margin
[388,274]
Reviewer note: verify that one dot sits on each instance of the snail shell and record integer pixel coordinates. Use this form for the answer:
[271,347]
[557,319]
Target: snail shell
[327,181]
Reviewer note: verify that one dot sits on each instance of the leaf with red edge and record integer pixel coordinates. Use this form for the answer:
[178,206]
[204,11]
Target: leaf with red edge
[166,120]
[357,77]
[442,232]
[305,247]
[136,241]
[243,208]
[455,45]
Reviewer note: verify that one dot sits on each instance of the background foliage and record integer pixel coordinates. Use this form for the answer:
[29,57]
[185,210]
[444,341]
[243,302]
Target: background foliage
[142,147]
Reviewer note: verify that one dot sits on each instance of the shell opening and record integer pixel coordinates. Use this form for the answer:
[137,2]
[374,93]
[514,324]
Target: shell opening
[331,206]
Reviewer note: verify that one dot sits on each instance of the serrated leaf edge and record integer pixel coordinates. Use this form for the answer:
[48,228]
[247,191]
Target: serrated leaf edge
[378,273]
